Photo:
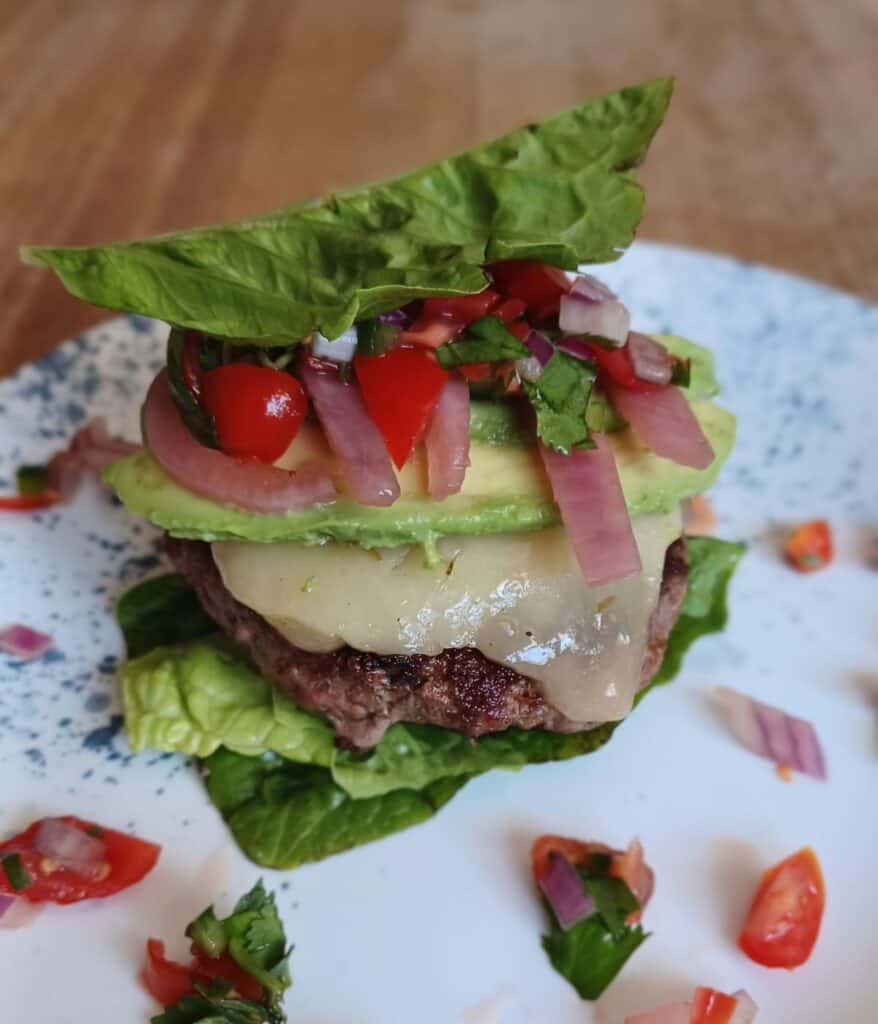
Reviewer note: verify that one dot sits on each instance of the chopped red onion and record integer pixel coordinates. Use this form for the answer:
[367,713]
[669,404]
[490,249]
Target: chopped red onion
[352,435]
[771,733]
[630,866]
[64,473]
[245,483]
[746,1010]
[650,361]
[24,643]
[395,317]
[563,888]
[70,847]
[339,350]
[447,440]
[5,903]
[540,347]
[574,347]
[588,287]
[588,492]
[665,423]
[608,319]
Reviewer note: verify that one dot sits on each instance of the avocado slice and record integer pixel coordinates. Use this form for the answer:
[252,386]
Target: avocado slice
[505,490]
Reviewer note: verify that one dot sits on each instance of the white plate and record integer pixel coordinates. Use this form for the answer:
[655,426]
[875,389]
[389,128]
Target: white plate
[429,924]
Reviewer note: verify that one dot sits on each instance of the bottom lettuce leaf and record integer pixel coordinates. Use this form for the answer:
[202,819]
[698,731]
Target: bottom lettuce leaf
[284,814]
[287,792]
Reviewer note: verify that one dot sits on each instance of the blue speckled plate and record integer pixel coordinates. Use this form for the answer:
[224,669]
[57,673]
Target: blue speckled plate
[434,923]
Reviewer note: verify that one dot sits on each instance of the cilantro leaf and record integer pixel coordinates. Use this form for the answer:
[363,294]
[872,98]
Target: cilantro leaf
[560,191]
[15,871]
[614,901]
[30,480]
[560,399]
[589,955]
[485,340]
[213,1009]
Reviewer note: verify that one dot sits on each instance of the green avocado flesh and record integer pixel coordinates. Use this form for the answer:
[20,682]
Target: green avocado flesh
[505,490]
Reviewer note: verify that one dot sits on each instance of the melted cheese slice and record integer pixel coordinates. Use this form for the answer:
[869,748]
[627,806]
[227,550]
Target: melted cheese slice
[519,598]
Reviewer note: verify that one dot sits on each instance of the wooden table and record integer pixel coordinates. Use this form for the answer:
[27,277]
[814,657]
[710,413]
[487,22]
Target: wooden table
[120,118]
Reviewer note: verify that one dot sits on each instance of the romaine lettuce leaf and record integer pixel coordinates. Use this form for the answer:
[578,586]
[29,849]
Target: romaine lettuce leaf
[284,814]
[561,191]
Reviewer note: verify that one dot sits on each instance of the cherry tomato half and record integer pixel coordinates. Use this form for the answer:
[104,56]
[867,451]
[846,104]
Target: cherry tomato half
[784,919]
[128,859]
[257,410]
[809,546]
[400,389]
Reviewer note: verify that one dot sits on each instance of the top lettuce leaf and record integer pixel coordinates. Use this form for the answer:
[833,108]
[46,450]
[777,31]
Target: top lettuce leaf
[560,191]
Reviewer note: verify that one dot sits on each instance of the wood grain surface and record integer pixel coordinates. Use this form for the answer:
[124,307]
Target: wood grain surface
[120,118]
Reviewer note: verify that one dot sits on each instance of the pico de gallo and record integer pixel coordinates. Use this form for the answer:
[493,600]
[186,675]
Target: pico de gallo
[223,415]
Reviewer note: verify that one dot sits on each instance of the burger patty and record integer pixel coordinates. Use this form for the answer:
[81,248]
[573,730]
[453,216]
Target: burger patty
[362,694]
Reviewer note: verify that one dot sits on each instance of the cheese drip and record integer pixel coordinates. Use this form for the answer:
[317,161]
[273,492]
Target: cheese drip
[519,598]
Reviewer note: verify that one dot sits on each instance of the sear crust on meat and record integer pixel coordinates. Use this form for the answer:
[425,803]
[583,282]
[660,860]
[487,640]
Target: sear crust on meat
[363,694]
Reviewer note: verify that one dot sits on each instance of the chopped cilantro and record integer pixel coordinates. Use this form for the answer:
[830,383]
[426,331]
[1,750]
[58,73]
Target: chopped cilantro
[15,871]
[560,398]
[614,902]
[30,480]
[375,337]
[484,341]
[681,372]
[588,955]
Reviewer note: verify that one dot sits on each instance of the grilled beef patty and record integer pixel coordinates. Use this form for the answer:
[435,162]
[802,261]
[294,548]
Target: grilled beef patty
[362,693]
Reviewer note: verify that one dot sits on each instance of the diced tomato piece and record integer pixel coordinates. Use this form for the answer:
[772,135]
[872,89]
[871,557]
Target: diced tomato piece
[784,918]
[29,502]
[461,309]
[165,980]
[400,389]
[257,410]
[430,333]
[519,329]
[511,309]
[538,285]
[615,365]
[712,1007]
[809,546]
[128,860]
[572,850]
[475,373]
[206,968]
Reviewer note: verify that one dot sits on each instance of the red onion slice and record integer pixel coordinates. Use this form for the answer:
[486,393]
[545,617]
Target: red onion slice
[69,847]
[245,483]
[608,319]
[589,287]
[96,448]
[649,360]
[563,888]
[771,733]
[588,492]
[24,643]
[664,422]
[447,440]
[352,435]
[64,473]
